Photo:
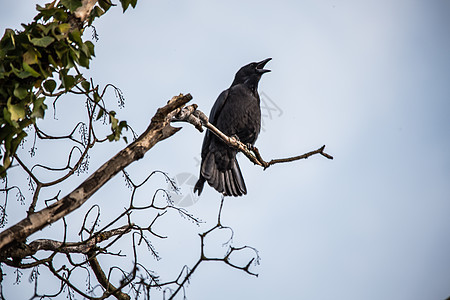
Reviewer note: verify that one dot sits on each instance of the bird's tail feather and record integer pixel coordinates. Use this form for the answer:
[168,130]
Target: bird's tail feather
[238,178]
[229,182]
[199,185]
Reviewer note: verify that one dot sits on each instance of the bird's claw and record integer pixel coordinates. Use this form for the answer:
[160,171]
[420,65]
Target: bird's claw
[250,147]
[234,136]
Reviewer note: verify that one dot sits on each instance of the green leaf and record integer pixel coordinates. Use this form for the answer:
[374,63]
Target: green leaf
[6,164]
[113,120]
[76,37]
[68,81]
[30,57]
[39,108]
[17,111]
[2,172]
[105,4]
[62,32]
[90,46]
[64,27]
[8,41]
[72,5]
[100,113]
[97,12]
[61,52]
[85,50]
[60,15]
[46,28]
[53,62]
[86,85]
[96,97]
[19,73]
[50,11]
[50,85]
[74,53]
[43,41]
[126,3]
[46,71]
[29,69]
[20,92]
[122,125]
[84,61]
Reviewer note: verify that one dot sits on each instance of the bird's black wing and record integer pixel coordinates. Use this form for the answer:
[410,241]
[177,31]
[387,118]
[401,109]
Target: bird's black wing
[215,112]
[217,107]
[213,115]
[240,115]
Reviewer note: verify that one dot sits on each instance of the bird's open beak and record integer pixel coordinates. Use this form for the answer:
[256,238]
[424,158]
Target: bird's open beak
[261,64]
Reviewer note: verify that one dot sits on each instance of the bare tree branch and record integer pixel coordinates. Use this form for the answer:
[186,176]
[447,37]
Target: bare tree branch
[62,247]
[16,254]
[197,118]
[158,130]
[180,282]
[103,279]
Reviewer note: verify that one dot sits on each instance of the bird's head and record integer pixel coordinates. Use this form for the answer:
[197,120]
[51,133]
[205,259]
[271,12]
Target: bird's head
[253,70]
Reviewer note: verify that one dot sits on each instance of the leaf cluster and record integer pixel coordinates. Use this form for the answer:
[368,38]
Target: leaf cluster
[39,62]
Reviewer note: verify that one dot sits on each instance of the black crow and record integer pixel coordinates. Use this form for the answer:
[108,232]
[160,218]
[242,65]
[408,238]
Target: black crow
[236,113]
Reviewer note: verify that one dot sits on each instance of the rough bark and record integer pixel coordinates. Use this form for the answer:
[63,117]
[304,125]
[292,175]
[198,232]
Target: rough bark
[85,9]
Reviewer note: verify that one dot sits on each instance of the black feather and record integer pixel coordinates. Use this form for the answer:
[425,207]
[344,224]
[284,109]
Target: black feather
[236,112]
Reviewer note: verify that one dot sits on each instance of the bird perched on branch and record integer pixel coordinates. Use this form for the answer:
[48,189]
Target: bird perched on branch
[236,113]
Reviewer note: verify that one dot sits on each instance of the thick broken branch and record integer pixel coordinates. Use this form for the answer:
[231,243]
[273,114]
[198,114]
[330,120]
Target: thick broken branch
[195,117]
[158,130]
[85,9]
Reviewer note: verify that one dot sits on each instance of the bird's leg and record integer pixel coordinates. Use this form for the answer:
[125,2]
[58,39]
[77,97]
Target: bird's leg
[249,146]
[259,157]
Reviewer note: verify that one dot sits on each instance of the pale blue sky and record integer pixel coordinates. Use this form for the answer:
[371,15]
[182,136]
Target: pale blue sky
[370,79]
